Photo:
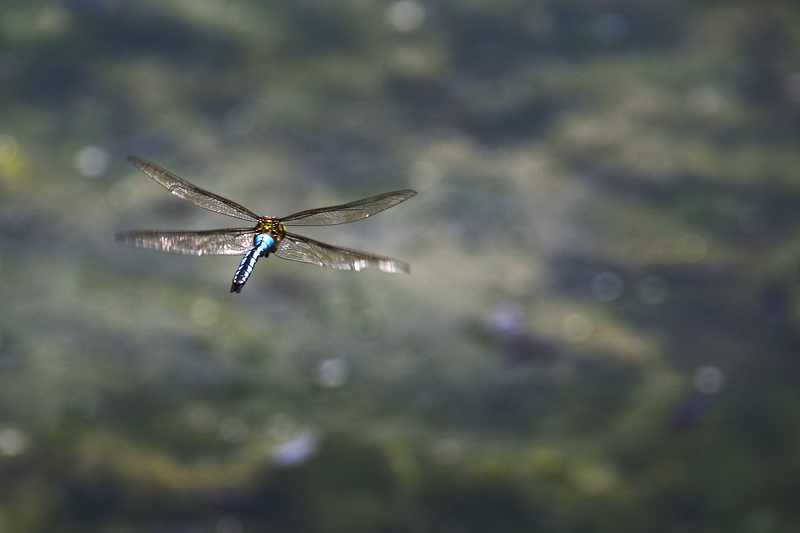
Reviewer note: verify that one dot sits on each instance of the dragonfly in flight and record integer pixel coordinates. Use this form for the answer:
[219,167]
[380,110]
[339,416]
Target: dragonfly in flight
[269,234]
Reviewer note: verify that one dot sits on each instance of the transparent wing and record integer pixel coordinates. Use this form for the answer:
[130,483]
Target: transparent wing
[191,193]
[340,214]
[235,241]
[297,248]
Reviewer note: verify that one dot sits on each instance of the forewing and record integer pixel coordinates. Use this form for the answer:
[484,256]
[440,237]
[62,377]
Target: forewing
[191,193]
[215,242]
[340,214]
[297,248]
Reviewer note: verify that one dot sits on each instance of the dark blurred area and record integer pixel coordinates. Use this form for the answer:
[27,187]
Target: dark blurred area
[599,333]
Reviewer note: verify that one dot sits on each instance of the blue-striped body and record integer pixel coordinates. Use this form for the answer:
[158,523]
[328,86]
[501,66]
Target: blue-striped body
[263,244]
[269,234]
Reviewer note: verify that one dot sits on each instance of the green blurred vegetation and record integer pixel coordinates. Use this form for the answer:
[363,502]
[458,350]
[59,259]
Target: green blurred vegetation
[600,332]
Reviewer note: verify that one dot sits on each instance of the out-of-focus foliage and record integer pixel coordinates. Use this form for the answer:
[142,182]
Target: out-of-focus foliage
[600,332]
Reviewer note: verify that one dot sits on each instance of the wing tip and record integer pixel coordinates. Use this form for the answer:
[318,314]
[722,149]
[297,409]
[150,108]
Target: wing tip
[395,267]
[405,194]
[408,194]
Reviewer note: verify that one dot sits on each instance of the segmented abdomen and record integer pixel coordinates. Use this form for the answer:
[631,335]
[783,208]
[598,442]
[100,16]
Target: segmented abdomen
[262,245]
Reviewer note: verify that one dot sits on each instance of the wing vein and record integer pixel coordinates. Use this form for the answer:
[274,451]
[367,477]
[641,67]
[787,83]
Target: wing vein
[298,248]
[341,214]
[235,241]
[192,193]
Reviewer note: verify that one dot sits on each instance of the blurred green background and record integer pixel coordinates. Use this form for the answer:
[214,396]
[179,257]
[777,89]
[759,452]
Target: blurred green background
[599,333]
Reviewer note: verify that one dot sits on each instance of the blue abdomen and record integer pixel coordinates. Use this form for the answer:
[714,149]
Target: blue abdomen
[263,244]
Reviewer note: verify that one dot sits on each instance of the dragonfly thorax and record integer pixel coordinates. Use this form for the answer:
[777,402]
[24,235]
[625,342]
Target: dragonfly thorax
[272,226]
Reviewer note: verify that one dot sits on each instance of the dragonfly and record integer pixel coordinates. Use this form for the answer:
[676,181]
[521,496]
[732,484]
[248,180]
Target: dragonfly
[269,234]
